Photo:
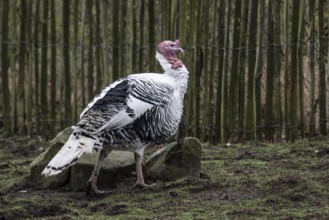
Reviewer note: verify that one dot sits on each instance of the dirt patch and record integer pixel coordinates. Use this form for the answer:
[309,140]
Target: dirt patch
[244,213]
[222,192]
[117,209]
[238,182]
[207,186]
[251,153]
[20,147]
[291,187]
[324,165]
[109,209]
[34,210]
[52,209]
[284,164]
[322,152]
[286,182]
[324,179]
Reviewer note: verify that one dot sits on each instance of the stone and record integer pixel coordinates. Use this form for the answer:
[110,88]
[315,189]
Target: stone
[169,163]
[37,166]
[116,167]
[175,161]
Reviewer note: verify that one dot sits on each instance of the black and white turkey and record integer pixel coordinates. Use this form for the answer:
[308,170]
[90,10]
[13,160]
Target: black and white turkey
[130,114]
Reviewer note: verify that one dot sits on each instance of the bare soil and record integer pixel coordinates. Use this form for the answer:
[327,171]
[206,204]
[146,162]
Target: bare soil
[243,181]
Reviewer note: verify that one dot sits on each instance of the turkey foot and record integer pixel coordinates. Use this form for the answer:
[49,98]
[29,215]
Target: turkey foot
[141,185]
[91,186]
[139,173]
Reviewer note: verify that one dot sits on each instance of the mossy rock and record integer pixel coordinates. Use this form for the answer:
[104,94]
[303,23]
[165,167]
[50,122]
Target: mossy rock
[117,166]
[169,163]
[43,159]
[175,161]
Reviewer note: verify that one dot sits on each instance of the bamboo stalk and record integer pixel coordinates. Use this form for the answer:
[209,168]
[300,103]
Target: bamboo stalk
[165,15]
[82,69]
[44,73]
[5,66]
[99,75]
[115,40]
[29,92]
[151,31]
[134,51]
[75,60]
[90,70]
[224,105]
[242,74]
[172,30]
[66,63]
[258,69]
[198,71]
[189,120]
[286,72]
[182,38]
[123,34]
[233,84]
[269,131]
[53,66]
[141,38]
[277,76]
[300,67]
[21,73]
[206,104]
[294,71]
[36,109]
[211,108]
[322,71]
[106,71]
[312,124]
[182,20]
[220,60]
[250,127]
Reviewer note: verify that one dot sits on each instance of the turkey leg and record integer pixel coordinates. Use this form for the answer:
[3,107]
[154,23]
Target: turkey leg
[139,172]
[91,184]
[140,179]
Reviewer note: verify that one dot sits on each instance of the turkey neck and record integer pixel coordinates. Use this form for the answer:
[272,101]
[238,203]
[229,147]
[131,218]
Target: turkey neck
[180,74]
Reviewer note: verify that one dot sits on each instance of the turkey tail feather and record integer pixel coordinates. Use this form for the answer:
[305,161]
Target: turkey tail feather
[71,152]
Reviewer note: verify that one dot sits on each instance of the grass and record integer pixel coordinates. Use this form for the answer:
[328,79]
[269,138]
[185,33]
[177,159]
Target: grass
[250,181]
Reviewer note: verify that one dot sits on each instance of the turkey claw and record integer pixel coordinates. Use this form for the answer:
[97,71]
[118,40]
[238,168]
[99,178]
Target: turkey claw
[93,188]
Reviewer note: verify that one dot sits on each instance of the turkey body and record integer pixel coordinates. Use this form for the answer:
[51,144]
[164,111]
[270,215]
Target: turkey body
[134,112]
[130,114]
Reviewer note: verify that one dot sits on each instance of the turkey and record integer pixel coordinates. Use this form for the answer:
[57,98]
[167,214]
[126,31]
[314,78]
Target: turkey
[130,114]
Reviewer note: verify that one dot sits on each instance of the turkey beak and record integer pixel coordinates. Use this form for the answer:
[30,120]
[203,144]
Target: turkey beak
[181,50]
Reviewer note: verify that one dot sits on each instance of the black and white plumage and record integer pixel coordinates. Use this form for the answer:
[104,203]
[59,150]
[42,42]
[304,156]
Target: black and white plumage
[129,114]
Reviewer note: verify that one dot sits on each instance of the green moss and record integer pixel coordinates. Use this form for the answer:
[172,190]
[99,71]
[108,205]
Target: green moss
[175,161]
[252,181]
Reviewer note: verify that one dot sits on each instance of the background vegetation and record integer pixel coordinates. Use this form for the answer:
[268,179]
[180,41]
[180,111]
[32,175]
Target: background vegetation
[257,68]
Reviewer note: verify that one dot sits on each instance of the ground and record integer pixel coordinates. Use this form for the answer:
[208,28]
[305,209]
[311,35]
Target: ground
[243,181]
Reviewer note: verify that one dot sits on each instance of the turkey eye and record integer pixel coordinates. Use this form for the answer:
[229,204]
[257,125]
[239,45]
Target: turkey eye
[171,45]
